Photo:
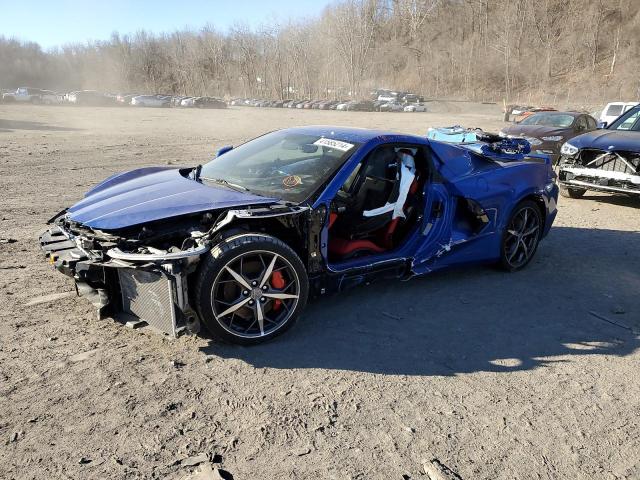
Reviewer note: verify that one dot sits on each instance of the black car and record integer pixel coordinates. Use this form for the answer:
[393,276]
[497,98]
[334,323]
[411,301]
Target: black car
[209,102]
[361,106]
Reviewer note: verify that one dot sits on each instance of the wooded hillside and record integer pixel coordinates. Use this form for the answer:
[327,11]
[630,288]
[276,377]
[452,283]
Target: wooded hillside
[544,51]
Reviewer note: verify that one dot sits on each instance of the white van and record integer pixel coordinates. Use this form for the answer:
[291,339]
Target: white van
[614,109]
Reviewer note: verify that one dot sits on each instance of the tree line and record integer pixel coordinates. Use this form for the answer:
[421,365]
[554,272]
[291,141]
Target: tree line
[544,51]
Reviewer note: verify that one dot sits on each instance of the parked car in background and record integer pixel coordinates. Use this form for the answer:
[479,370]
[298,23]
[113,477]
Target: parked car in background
[187,101]
[388,96]
[606,159]
[51,98]
[23,95]
[209,102]
[393,106]
[360,106]
[155,101]
[411,98]
[89,98]
[176,100]
[415,107]
[524,114]
[125,98]
[548,131]
[613,110]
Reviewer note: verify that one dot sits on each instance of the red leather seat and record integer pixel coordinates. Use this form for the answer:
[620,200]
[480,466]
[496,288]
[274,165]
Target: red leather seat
[343,247]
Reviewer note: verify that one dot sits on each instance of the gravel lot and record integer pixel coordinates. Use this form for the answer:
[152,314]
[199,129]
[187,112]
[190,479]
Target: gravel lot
[498,376]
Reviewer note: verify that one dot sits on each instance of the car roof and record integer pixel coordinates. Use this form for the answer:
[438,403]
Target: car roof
[350,134]
[554,112]
[621,103]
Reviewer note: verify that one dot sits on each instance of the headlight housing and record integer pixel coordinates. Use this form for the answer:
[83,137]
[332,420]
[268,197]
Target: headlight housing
[568,149]
[553,138]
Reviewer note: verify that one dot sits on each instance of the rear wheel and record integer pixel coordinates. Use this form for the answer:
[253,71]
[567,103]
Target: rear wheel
[251,288]
[521,236]
[570,192]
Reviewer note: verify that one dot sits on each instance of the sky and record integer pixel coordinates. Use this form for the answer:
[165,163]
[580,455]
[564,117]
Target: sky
[53,23]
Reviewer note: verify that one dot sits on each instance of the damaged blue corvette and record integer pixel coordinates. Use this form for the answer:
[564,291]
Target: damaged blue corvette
[239,244]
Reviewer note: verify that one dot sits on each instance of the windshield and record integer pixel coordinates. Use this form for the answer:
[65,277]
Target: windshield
[546,119]
[286,165]
[628,121]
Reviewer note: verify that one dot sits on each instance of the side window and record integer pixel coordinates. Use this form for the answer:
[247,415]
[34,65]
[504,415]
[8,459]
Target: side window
[629,122]
[581,124]
[592,123]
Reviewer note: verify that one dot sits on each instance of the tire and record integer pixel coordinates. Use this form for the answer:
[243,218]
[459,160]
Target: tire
[250,288]
[521,236]
[571,192]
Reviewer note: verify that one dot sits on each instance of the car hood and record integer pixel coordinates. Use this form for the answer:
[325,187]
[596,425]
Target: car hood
[149,194]
[608,140]
[535,131]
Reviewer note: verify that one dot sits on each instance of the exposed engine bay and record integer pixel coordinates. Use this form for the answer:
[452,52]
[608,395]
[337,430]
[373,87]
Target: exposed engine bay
[139,275]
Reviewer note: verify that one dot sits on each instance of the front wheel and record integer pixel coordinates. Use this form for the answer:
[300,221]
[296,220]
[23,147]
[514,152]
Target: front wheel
[570,192]
[521,236]
[250,288]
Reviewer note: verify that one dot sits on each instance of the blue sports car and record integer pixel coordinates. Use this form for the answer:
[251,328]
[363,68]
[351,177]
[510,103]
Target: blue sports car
[239,244]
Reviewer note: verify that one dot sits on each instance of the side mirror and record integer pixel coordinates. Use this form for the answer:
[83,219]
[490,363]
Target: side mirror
[602,125]
[224,150]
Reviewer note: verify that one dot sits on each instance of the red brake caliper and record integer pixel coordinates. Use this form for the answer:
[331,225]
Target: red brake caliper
[277,281]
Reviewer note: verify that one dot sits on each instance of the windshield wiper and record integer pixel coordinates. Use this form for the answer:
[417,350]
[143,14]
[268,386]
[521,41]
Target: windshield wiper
[227,183]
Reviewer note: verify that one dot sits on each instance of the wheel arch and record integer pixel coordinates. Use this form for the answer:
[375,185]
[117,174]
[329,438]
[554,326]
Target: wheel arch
[540,202]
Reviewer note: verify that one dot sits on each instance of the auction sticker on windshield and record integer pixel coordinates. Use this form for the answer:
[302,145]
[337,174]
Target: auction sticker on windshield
[337,144]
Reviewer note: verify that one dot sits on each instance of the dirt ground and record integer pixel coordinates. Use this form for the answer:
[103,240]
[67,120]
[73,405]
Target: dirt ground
[498,376]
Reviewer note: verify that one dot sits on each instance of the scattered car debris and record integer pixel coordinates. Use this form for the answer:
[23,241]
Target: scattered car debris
[207,471]
[8,240]
[79,357]
[437,470]
[195,460]
[49,298]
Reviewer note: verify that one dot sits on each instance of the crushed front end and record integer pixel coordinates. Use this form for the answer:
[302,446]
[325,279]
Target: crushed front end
[124,276]
[603,170]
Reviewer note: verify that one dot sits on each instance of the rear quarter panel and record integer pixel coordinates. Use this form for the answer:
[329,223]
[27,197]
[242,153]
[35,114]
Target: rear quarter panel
[497,186]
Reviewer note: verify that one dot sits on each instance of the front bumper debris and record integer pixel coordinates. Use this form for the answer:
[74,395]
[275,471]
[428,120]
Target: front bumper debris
[131,288]
[601,180]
